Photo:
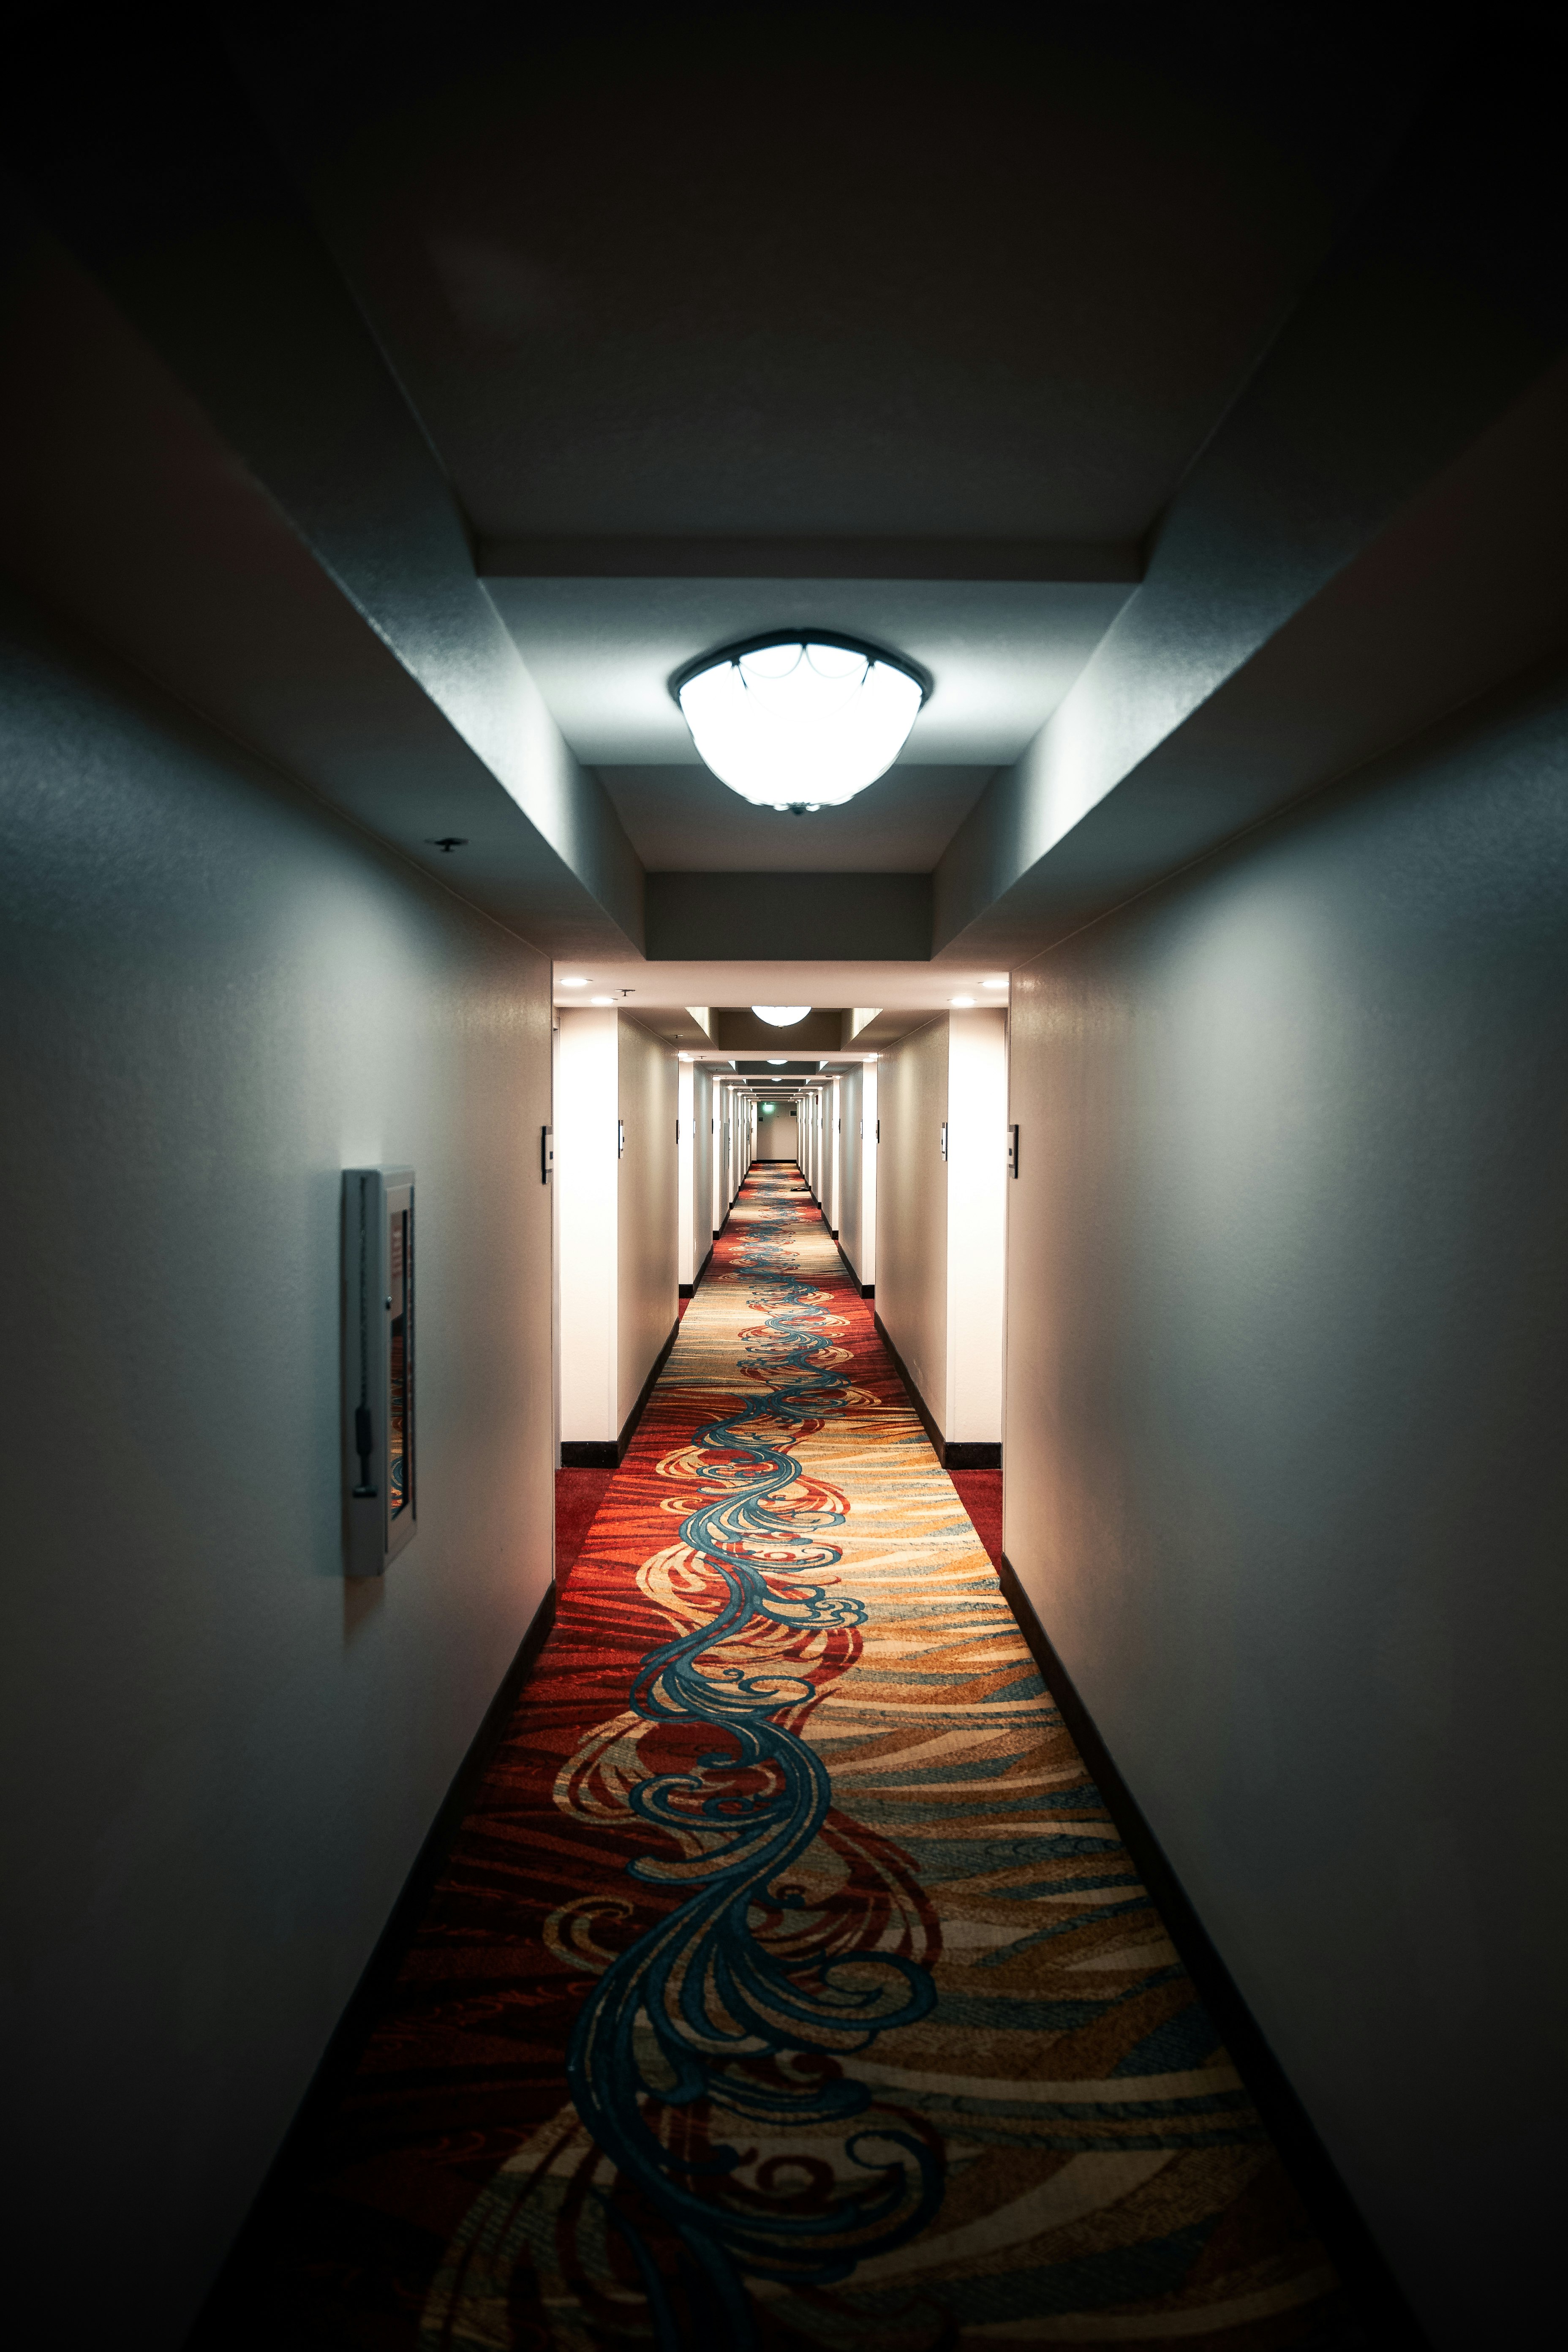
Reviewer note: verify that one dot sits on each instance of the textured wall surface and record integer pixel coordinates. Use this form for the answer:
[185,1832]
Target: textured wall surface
[695,1089]
[587,1182]
[977,1184]
[911,1208]
[778,1135]
[702,1173]
[221,1758]
[647,1277]
[1287,1392]
[851,1160]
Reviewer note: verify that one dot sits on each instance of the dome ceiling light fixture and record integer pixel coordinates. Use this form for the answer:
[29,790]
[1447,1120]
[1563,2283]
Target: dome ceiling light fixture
[799,721]
[780,1016]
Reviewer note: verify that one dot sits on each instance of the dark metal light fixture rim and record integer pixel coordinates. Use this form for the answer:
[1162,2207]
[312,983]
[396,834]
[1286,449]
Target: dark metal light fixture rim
[770,637]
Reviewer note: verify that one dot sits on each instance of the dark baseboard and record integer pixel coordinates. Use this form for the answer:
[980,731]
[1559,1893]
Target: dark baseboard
[867,1290]
[224,2320]
[703,1267]
[609,1453]
[689,1290]
[1368,2282]
[958,1454]
[928,1420]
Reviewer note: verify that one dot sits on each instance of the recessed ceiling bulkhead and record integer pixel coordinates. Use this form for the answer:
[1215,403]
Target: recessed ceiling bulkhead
[800,719]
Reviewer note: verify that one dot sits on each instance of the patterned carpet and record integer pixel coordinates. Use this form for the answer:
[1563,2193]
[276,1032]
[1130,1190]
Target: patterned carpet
[788,1987]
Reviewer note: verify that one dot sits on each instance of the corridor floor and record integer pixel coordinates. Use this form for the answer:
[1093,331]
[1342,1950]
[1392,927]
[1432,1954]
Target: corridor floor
[788,1985]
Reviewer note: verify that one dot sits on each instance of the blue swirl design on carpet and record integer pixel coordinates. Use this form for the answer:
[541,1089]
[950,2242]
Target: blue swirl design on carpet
[735,2028]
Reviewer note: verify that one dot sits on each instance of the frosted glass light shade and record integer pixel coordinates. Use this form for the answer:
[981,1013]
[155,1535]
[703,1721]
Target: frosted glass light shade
[780,1016]
[799,722]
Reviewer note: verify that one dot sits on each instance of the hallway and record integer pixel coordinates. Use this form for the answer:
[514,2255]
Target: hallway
[783,956]
[787,1984]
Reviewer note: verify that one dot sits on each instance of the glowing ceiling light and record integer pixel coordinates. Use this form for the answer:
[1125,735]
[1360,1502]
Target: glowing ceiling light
[777,1061]
[780,1016]
[961,1000]
[1001,983]
[575,982]
[798,722]
[601,999]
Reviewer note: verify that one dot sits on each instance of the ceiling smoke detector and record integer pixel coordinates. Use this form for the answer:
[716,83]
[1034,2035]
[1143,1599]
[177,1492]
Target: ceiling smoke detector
[780,718]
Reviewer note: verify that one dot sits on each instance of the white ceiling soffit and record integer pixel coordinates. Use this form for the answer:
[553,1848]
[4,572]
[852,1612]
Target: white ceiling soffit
[1002,654]
[684,820]
[903,987]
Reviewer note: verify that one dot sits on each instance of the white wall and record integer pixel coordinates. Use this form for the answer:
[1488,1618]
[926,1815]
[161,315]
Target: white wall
[778,1136]
[734,1144]
[220,1759]
[852,1096]
[697,1166]
[1285,1442]
[833,1138]
[977,1184]
[940,1232]
[822,1184]
[866,1262]
[618,1218]
[689,1253]
[647,1208]
[911,1208]
[587,1097]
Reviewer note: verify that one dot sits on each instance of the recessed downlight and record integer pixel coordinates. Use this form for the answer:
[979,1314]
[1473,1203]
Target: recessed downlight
[961,1000]
[601,999]
[1000,982]
[573,980]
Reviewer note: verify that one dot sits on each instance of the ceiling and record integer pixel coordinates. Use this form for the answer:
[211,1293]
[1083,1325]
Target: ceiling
[410,391]
[848,272]
[683,817]
[976,289]
[1001,654]
[661,995]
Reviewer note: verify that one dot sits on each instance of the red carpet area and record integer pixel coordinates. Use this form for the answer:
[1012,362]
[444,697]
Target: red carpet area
[788,1986]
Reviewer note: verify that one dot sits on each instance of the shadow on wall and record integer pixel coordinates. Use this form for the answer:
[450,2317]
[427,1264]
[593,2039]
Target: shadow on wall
[227,997]
[1288,1280]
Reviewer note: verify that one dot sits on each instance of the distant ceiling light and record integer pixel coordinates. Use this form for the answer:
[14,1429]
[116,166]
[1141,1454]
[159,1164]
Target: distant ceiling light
[961,1000]
[780,1016]
[601,999]
[576,981]
[780,712]
[1002,983]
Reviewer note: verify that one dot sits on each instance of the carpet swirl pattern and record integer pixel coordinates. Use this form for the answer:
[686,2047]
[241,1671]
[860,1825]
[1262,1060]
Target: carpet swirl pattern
[789,1987]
